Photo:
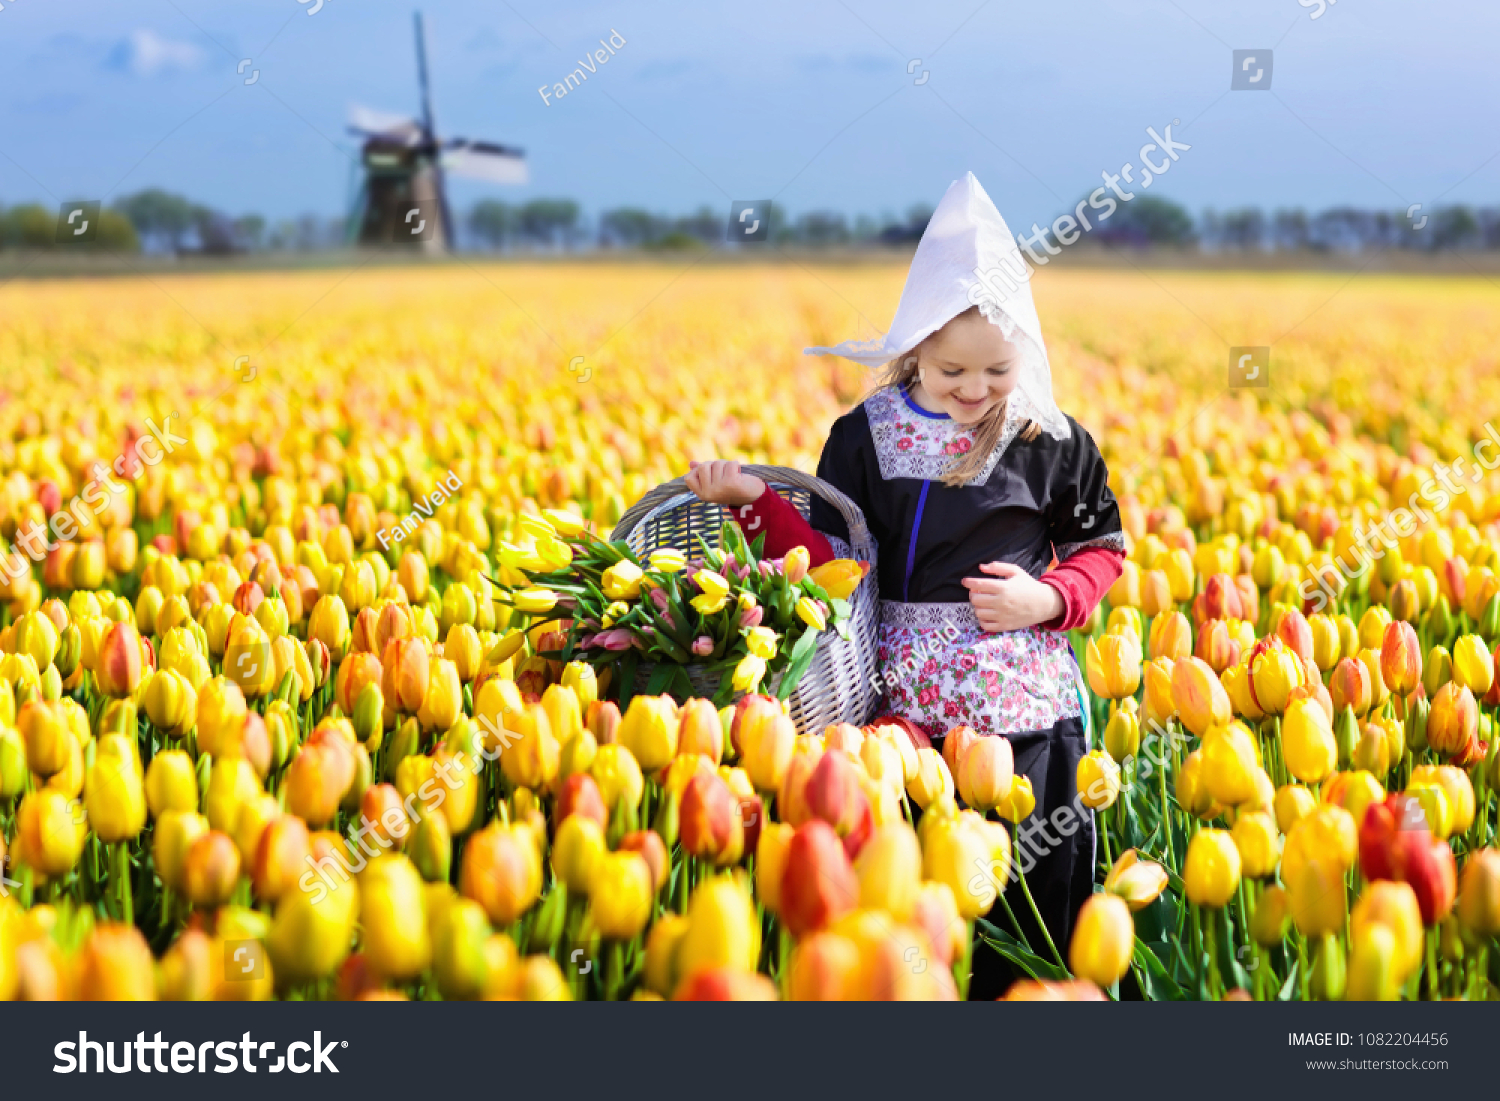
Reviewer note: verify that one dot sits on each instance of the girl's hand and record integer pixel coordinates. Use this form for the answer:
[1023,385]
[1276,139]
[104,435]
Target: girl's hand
[1010,598]
[721,482]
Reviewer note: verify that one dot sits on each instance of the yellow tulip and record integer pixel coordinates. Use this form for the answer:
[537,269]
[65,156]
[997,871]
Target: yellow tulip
[1171,636]
[621,581]
[1473,667]
[749,673]
[649,729]
[889,870]
[1103,940]
[1212,869]
[838,578]
[722,929]
[1307,741]
[809,613]
[1316,898]
[1258,843]
[1019,802]
[1139,882]
[114,792]
[1229,763]
[1274,674]
[933,781]
[1098,780]
[1114,665]
[620,894]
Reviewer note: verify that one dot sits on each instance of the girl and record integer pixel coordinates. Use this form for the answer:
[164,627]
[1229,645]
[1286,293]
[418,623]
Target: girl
[972,482]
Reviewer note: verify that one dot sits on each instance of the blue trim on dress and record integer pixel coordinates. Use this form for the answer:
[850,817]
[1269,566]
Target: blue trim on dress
[915,408]
[911,549]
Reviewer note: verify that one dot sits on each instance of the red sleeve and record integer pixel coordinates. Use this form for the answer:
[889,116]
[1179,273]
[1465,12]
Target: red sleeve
[1083,580]
[784,527]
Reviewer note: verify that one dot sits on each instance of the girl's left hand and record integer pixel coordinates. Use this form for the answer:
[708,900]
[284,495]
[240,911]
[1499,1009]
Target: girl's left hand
[1010,598]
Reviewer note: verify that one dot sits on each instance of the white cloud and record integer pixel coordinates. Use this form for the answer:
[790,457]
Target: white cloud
[147,53]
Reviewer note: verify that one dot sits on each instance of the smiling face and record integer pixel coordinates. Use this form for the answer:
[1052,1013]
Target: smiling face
[968,367]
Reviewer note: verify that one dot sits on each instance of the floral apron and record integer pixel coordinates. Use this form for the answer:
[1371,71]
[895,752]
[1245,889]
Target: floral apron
[940,669]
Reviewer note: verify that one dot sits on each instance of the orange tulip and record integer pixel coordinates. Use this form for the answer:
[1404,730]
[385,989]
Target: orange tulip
[1200,698]
[1400,658]
[1216,647]
[1170,636]
[818,883]
[1453,721]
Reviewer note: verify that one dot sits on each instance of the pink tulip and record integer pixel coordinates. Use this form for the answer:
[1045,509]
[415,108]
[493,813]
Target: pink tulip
[751,617]
[703,646]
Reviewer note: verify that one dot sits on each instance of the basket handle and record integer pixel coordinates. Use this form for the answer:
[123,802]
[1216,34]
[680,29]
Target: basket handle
[859,531]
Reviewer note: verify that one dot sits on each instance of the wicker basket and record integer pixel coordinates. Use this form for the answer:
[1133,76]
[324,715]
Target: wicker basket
[838,685]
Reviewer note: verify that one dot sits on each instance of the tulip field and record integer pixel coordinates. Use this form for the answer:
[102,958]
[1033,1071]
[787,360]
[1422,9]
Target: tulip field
[317,668]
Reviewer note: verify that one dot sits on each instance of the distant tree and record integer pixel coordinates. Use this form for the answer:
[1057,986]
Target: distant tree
[493,222]
[116,233]
[31,225]
[159,217]
[631,227]
[705,225]
[1289,229]
[1244,229]
[248,230]
[1454,227]
[549,221]
[904,232]
[1147,220]
[821,228]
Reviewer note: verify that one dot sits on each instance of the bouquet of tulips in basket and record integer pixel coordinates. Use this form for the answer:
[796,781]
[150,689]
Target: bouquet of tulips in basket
[726,610]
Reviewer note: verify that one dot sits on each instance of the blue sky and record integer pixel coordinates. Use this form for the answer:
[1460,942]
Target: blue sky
[1375,102]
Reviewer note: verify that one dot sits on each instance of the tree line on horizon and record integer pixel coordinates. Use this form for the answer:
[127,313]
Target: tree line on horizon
[157,221]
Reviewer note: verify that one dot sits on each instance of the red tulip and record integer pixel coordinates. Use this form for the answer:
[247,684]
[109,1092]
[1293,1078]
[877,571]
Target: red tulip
[725,984]
[1249,597]
[709,820]
[1349,686]
[834,795]
[1395,843]
[1400,657]
[121,662]
[1293,629]
[580,794]
[818,885]
[1215,646]
[1221,598]
[653,850]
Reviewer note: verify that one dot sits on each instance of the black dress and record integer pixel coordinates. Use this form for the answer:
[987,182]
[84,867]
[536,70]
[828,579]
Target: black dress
[938,666]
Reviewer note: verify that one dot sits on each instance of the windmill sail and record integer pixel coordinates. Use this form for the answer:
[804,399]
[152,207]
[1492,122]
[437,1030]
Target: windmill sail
[384,124]
[482,160]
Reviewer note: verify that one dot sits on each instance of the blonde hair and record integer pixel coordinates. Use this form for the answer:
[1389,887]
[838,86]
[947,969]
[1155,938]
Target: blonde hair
[900,371]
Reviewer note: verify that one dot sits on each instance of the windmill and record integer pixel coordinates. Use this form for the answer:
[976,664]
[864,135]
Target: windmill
[402,199]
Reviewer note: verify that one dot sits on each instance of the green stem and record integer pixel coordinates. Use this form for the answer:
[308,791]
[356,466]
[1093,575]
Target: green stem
[1166,811]
[964,970]
[127,904]
[1215,980]
[1035,913]
[1432,975]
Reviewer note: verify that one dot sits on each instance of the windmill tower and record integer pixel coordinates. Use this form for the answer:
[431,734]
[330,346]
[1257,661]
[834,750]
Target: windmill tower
[401,199]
